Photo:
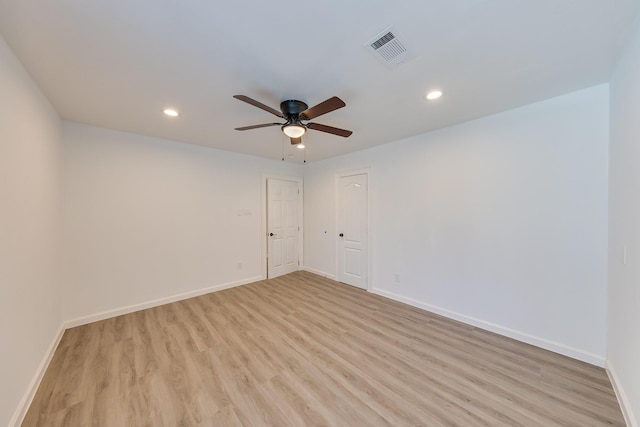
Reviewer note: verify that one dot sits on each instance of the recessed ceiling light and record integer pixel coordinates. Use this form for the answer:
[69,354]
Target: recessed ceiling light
[300,146]
[171,112]
[434,94]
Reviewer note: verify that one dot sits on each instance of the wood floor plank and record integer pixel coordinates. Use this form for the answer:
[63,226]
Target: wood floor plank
[303,350]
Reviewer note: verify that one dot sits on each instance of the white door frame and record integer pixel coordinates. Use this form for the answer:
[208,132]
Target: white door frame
[364,171]
[264,240]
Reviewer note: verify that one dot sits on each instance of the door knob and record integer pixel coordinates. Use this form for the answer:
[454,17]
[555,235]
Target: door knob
[341,234]
[271,234]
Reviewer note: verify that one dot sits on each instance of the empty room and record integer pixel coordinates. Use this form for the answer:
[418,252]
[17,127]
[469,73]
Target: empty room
[273,213]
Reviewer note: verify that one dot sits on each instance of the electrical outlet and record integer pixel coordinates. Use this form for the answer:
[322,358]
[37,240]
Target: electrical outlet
[397,277]
[240,266]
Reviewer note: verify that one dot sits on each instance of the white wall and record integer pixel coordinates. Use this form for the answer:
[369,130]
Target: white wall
[624,230]
[500,222]
[29,297]
[147,219]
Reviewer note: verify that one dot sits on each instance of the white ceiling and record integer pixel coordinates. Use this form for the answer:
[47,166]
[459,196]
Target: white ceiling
[118,63]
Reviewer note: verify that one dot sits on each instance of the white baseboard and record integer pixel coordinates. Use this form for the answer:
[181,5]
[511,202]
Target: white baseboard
[320,273]
[26,400]
[623,399]
[574,353]
[142,306]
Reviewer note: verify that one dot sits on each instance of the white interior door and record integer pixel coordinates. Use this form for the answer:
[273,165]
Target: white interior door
[353,229]
[282,227]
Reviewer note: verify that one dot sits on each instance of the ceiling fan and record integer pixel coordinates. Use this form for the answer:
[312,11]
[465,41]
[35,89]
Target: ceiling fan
[295,112]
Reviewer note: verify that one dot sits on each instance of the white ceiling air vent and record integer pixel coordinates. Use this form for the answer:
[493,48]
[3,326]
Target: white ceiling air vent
[387,47]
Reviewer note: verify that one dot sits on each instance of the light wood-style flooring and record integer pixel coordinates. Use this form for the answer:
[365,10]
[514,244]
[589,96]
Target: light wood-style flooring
[302,350]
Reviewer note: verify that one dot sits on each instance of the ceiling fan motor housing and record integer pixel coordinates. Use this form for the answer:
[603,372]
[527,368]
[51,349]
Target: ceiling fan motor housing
[292,107]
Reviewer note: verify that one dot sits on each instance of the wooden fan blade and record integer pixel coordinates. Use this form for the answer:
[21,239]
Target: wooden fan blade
[259,105]
[264,125]
[296,141]
[329,129]
[325,107]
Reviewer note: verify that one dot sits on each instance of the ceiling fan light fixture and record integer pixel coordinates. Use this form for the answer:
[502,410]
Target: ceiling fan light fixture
[294,130]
